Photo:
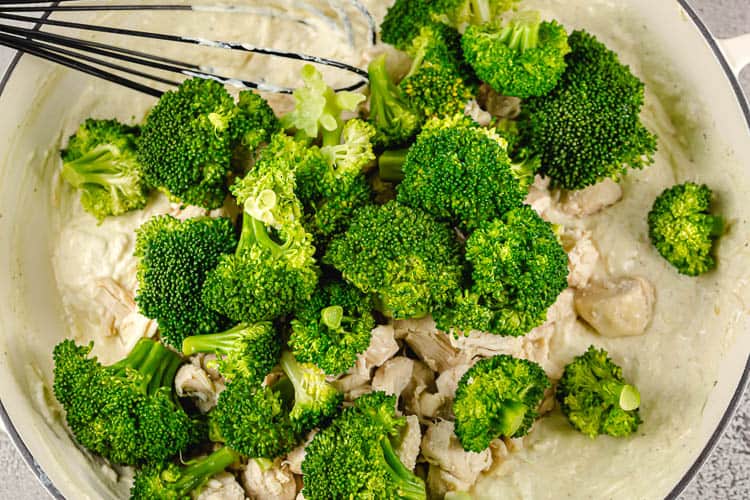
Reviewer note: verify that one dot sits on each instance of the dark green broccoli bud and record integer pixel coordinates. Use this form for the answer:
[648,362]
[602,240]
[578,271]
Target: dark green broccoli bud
[588,128]
[497,397]
[408,261]
[249,351]
[101,161]
[254,419]
[391,114]
[174,259]
[186,143]
[127,412]
[518,269]
[167,481]
[461,175]
[332,328]
[683,230]
[354,456]
[595,397]
[273,268]
[254,124]
[331,215]
[318,108]
[523,58]
[314,398]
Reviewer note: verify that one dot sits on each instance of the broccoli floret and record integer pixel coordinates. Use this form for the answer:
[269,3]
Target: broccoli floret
[498,396]
[332,328]
[186,143]
[101,161]
[249,351]
[174,259]
[588,127]
[518,269]
[439,82]
[595,397]
[314,398]
[408,261]
[460,13]
[354,457]
[167,481]
[460,174]
[318,108]
[273,268]
[127,412]
[345,161]
[391,114]
[331,215]
[522,58]
[255,123]
[683,230]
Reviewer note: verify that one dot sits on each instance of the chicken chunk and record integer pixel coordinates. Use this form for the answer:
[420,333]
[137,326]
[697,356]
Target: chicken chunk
[476,113]
[498,105]
[583,257]
[410,439]
[193,382]
[222,486]
[447,381]
[273,483]
[383,346]
[294,458]
[540,198]
[441,448]
[484,345]
[592,199]
[435,349]
[404,327]
[394,376]
[621,308]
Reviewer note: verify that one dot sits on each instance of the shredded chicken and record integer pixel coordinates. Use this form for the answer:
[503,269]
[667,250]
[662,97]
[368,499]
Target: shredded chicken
[498,105]
[394,376]
[404,327]
[294,458]
[222,486]
[476,113]
[583,257]
[435,349]
[447,381]
[355,381]
[418,398]
[540,198]
[274,483]
[592,199]
[410,439]
[192,381]
[459,469]
[620,308]
[383,346]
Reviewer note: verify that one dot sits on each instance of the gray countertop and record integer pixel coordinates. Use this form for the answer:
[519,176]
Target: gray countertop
[727,472]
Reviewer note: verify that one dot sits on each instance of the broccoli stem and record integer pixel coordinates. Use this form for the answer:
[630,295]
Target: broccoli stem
[100,166]
[219,343]
[511,416]
[195,474]
[390,165]
[332,137]
[717,229]
[157,365]
[522,33]
[254,232]
[295,373]
[481,12]
[410,486]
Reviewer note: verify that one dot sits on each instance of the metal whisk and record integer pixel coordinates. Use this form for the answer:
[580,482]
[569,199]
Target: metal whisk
[119,64]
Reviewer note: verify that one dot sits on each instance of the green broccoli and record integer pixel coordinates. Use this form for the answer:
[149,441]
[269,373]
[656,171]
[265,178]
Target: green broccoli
[254,124]
[391,114]
[354,456]
[522,58]
[408,261]
[174,260]
[318,108]
[332,328]
[459,173]
[683,230]
[331,215]
[588,127]
[250,351]
[518,269]
[127,412]
[498,396]
[273,268]
[595,397]
[186,143]
[101,161]
[460,13]
[167,481]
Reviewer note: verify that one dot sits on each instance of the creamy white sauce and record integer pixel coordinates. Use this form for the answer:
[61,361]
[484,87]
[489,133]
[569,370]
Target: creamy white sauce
[674,364]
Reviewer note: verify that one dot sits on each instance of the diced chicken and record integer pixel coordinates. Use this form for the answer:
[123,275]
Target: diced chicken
[498,105]
[355,381]
[447,381]
[394,376]
[300,496]
[410,439]
[583,257]
[404,327]
[294,458]
[192,381]
[621,308]
[539,197]
[222,486]
[483,345]
[273,483]
[592,199]
[417,397]
[435,349]
[430,405]
[476,113]
[383,346]
[441,448]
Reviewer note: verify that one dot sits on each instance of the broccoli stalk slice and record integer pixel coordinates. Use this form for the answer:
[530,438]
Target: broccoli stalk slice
[522,33]
[103,167]
[219,343]
[314,398]
[409,486]
[510,416]
[156,364]
[302,379]
[626,396]
[197,472]
[391,163]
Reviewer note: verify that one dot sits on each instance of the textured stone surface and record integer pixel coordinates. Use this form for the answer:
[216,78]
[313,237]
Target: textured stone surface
[727,472]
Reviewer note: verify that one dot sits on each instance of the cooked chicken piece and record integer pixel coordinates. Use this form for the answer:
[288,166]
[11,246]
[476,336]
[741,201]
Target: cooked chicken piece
[394,376]
[222,486]
[592,199]
[294,458]
[408,447]
[498,105]
[300,496]
[357,392]
[208,362]
[193,382]
[484,345]
[430,405]
[476,113]
[383,346]
[583,257]
[447,381]
[404,327]
[422,382]
[435,349]
[356,378]
[440,447]
[621,308]
[274,483]
[539,197]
